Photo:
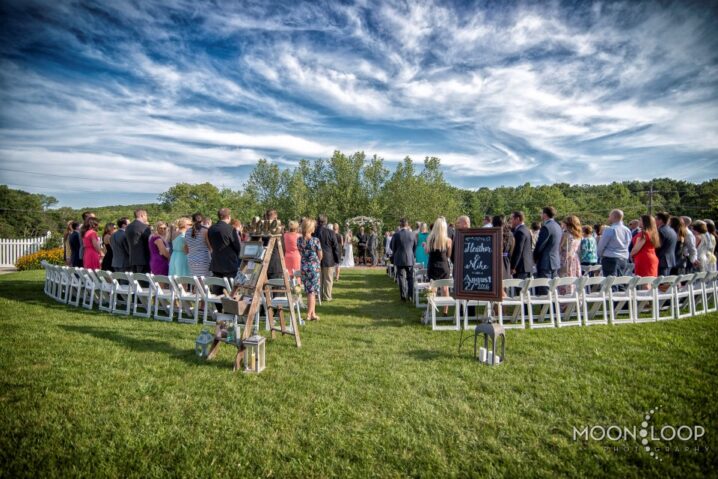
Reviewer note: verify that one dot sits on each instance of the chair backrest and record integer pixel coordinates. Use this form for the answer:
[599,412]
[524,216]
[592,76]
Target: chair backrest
[699,276]
[644,280]
[684,280]
[162,284]
[623,280]
[441,283]
[204,283]
[104,276]
[91,275]
[514,285]
[665,281]
[539,283]
[184,283]
[122,276]
[565,281]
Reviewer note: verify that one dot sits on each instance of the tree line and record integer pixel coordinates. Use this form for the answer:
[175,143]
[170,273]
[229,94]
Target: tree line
[345,186]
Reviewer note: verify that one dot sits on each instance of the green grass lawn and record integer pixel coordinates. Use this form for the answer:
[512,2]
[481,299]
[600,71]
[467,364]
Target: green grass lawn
[371,393]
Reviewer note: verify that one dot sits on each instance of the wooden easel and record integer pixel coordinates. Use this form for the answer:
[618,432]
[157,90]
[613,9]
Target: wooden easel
[258,287]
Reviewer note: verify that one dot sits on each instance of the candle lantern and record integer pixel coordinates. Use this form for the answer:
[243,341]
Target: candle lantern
[493,331]
[202,343]
[254,354]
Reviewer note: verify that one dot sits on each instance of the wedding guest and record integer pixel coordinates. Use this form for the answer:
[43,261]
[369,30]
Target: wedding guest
[679,229]
[363,238]
[292,258]
[667,243]
[403,247]
[568,251]
[224,243]
[137,237]
[644,248]
[711,227]
[92,246]
[487,222]
[66,250]
[438,248]
[197,247]
[310,250]
[598,232]
[340,240]
[74,241]
[522,261]
[507,243]
[179,265]
[588,247]
[613,245]
[371,245]
[421,255]
[546,253]
[535,230]
[689,250]
[635,227]
[159,250]
[330,256]
[387,245]
[450,230]
[705,245]
[120,251]
[106,237]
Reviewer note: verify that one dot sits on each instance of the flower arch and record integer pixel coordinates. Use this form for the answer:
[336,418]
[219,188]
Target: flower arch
[365,221]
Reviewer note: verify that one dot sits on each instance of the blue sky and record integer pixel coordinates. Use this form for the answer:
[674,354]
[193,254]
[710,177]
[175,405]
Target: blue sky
[113,102]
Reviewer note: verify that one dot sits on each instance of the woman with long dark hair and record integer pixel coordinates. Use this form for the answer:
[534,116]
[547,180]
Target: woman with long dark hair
[681,232]
[197,247]
[568,251]
[507,243]
[92,253]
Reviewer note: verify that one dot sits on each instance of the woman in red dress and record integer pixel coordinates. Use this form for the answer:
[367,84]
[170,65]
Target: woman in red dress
[292,258]
[92,248]
[644,248]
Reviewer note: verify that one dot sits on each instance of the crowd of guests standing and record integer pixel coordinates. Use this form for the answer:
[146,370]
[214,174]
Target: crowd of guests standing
[656,246]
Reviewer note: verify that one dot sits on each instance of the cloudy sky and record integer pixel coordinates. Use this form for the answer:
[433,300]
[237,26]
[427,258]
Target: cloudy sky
[112,102]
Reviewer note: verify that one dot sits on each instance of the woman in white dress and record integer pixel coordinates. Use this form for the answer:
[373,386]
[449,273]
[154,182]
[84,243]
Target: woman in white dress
[348,261]
[706,245]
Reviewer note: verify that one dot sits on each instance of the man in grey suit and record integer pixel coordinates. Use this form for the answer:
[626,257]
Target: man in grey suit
[137,237]
[522,261]
[667,251]
[546,253]
[371,246]
[403,249]
[120,248]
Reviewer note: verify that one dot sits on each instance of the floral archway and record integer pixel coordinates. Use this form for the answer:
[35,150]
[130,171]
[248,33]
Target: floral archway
[366,221]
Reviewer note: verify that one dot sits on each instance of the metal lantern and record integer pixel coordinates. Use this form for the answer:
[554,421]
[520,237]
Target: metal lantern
[491,331]
[254,354]
[203,343]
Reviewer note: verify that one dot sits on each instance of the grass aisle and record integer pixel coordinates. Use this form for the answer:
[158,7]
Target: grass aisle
[371,393]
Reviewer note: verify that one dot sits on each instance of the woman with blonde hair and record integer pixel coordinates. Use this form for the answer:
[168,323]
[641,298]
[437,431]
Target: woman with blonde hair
[438,248]
[159,250]
[310,251]
[179,266]
[645,259]
[568,251]
[292,259]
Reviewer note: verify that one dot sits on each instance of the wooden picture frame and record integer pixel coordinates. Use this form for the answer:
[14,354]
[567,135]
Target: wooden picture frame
[475,260]
[251,250]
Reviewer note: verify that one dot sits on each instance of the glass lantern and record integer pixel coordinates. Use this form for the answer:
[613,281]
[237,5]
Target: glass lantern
[254,354]
[202,343]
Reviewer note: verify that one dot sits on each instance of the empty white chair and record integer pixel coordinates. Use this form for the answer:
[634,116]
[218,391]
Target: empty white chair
[143,295]
[188,298]
[77,282]
[48,277]
[591,270]
[711,289]
[684,296]
[281,301]
[91,291]
[480,307]
[567,304]
[594,298]
[665,297]
[63,283]
[420,289]
[54,280]
[644,299]
[698,293]
[545,301]
[620,300]
[107,290]
[514,297]
[435,302]
[122,296]
[204,287]
[165,295]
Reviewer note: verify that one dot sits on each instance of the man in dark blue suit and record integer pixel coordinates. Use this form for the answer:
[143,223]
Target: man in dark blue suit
[403,254]
[667,251]
[546,253]
[522,261]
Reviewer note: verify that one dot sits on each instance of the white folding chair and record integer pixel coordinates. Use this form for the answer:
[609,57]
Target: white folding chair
[435,302]
[188,298]
[569,302]
[514,297]
[594,293]
[485,307]
[545,301]
[48,277]
[644,299]
[698,293]
[591,270]
[204,287]
[122,296]
[620,299]
[63,284]
[684,296]
[143,295]
[91,292]
[665,297]
[77,282]
[281,301]
[165,295]
[106,290]
[419,288]
[711,291]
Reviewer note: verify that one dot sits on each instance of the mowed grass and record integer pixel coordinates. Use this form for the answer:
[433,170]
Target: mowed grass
[371,393]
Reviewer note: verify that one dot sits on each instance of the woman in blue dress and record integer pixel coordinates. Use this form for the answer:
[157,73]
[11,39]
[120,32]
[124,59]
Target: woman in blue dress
[421,257]
[178,261]
[310,251]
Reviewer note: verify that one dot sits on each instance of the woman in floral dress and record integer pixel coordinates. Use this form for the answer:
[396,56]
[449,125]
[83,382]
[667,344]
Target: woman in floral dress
[570,242]
[310,251]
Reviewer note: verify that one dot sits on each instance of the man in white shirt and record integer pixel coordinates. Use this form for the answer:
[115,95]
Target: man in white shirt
[487,222]
[690,253]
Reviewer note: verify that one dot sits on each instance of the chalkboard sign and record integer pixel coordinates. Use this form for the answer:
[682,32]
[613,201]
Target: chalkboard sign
[478,264]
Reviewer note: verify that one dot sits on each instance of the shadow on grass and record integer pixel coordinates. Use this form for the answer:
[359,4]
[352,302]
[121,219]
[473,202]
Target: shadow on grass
[144,345]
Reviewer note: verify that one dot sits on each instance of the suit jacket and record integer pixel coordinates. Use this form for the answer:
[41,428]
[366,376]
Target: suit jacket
[546,253]
[403,248]
[225,245]
[75,242]
[371,244]
[362,238]
[137,236]
[330,246]
[120,251]
[667,251]
[522,258]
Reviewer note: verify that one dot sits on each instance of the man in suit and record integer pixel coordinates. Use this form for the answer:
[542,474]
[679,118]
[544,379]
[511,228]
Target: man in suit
[224,241]
[363,239]
[120,251]
[137,237]
[546,253]
[330,255]
[667,251]
[522,261]
[75,243]
[371,246]
[403,249]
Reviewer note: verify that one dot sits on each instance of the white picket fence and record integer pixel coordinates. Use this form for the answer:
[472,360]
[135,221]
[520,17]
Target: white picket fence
[12,249]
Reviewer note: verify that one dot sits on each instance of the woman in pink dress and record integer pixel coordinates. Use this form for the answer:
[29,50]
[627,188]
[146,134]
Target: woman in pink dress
[159,250]
[92,248]
[570,242]
[292,258]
